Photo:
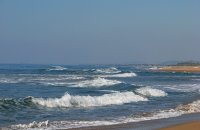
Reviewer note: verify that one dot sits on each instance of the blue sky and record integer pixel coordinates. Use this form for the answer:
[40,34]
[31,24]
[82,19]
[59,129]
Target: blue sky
[99,31]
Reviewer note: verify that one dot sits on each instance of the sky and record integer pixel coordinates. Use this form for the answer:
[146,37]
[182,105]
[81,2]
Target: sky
[99,31]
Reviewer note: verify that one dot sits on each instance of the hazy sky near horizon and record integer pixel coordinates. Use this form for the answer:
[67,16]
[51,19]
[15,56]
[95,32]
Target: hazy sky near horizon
[99,31]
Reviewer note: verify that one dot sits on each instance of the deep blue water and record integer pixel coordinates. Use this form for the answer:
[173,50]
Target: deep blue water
[83,95]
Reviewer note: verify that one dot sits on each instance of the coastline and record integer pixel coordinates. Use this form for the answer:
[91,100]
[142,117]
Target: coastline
[189,69]
[188,120]
[195,125]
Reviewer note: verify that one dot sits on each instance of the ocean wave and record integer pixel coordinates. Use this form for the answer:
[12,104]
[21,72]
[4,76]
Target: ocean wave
[153,68]
[190,108]
[34,124]
[88,101]
[150,92]
[56,68]
[10,81]
[178,111]
[97,82]
[10,103]
[121,75]
[41,79]
[184,87]
[108,70]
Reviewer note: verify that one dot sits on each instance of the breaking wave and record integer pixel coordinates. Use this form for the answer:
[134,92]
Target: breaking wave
[88,101]
[56,68]
[190,108]
[178,111]
[153,68]
[34,124]
[121,75]
[98,82]
[150,92]
[108,70]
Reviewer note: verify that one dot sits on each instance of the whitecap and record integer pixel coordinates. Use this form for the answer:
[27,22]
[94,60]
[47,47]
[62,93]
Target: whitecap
[33,124]
[57,68]
[178,111]
[151,92]
[121,75]
[88,101]
[153,68]
[97,82]
[108,70]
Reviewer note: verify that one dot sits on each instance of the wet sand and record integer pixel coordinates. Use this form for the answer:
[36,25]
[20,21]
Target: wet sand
[191,69]
[186,126]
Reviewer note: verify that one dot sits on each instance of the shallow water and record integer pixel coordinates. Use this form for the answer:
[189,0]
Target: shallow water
[49,97]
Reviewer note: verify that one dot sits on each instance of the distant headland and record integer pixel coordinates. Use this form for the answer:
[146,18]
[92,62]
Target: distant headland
[187,66]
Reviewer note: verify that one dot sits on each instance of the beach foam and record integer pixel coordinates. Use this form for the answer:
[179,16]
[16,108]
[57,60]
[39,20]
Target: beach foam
[190,108]
[178,111]
[88,101]
[150,92]
[34,124]
[98,82]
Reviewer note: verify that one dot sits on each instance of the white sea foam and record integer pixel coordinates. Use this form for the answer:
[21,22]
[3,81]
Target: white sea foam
[12,80]
[151,92]
[153,68]
[121,75]
[189,108]
[56,80]
[57,68]
[108,70]
[88,101]
[178,111]
[8,81]
[34,124]
[184,87]
[98,82]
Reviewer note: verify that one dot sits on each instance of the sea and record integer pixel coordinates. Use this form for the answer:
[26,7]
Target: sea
[72,96]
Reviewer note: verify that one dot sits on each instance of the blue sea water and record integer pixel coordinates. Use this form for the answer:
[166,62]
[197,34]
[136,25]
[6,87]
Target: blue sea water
[54,97]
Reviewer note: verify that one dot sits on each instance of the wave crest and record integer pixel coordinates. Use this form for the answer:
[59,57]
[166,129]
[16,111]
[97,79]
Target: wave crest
[88,101]
[98,82]
[122,75]
[56,68]
[33,124]
[108,70]
[190,108]
[151,92]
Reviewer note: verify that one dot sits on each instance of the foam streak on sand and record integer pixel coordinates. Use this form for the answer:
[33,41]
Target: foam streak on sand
[88,101]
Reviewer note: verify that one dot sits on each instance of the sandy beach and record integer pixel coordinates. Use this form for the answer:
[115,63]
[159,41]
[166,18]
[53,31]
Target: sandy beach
[191,69]
[186,126]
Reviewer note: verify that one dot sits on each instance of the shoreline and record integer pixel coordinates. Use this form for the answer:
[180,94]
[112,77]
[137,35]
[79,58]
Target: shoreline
[158,124]
[189,69]
[194,125]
